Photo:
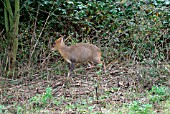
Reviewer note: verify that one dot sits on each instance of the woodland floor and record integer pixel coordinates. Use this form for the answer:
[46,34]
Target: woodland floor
[104,93]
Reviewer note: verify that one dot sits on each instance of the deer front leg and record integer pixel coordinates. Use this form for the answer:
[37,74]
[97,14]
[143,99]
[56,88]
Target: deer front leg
[71,68]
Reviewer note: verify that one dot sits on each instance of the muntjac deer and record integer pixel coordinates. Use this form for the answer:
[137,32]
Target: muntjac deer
[79,53]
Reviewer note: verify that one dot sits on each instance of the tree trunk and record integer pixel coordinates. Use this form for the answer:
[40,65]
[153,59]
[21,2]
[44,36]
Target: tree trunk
[11,25]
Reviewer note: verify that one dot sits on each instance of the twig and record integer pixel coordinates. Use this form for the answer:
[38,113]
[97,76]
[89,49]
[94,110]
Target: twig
[45,59]
[1,32]
[42,30]
[34,33]
[97,96]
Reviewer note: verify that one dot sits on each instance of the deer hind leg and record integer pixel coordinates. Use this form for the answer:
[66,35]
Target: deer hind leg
[90,65]
[97,61]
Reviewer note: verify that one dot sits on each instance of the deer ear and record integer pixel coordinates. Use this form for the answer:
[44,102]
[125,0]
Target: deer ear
[58,40]
[63,38]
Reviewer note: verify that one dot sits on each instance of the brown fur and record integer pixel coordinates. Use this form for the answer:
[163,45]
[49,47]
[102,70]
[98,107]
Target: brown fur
[79,53]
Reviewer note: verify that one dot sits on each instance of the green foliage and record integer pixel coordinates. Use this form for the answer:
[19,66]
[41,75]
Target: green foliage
[137,107]
[99,72]
[47,96]
[42,100]
[19,110]
[129,29]
[155,98]
[1,108]
[81,106]
[159,90]
[135,30]
[159,93]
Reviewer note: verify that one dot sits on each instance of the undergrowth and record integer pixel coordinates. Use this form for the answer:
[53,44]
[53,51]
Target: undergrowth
[132,35]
